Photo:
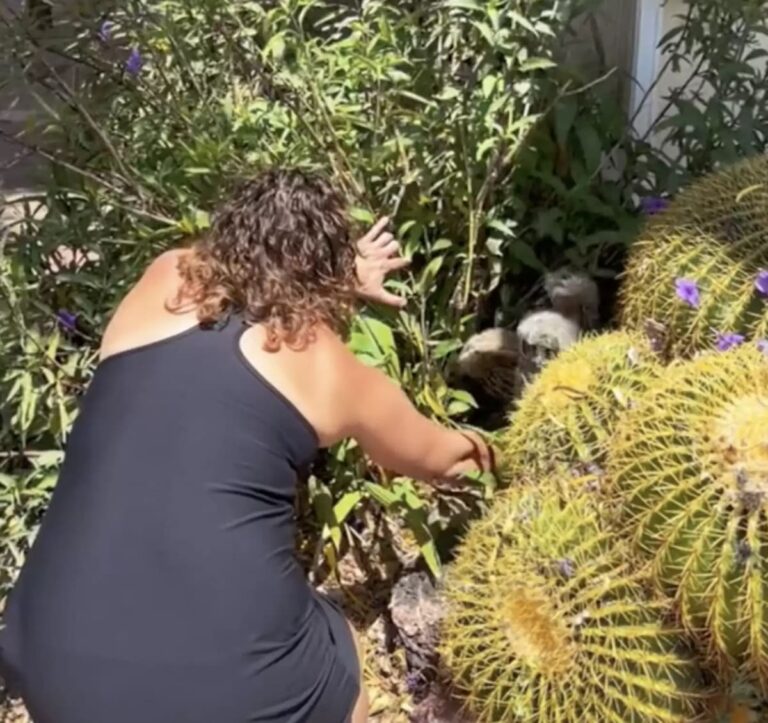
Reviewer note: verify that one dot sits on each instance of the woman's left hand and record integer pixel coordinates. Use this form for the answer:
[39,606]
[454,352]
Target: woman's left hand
[378,254]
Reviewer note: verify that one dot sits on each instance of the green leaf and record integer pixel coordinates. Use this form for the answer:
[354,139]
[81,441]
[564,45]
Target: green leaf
[361,343]
[416,521]
[441,245]
[380,333]
[487,32]
[449,93]
[444,348]
[591,146]
[565,115]
[418,98]
[80,278]
[463,4]
[507,228]
[429,274]
[489,85]
[537,64]
[386,498]
[362,215]
[521,20]
[431,557]
[202,220]
[525,254]
[485,146]
[275,48]
[345,505]
[461,402]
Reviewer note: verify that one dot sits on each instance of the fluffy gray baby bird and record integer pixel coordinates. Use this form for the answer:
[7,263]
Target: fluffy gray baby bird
[574,295]
[490,358]
[503,361]
[542,335]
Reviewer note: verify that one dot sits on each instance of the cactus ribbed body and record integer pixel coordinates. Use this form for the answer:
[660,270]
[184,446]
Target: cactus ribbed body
[568,413]
[690,463]
[715,235]
[547,622]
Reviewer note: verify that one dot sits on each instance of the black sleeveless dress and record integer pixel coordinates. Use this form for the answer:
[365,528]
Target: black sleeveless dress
[162,586]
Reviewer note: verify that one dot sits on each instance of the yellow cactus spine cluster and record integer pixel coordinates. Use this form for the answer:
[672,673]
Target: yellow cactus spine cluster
[690,466]
[547,622]
[698,269]
[567,415]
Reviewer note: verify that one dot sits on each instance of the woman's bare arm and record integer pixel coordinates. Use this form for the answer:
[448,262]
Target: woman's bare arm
[342,398]
[397,437]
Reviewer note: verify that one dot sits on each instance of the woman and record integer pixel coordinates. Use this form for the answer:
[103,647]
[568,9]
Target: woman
[162,587]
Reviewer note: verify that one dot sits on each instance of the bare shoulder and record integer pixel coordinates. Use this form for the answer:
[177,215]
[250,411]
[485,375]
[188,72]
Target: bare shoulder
[161,276]
[322,378]
[143,315]
[165,265]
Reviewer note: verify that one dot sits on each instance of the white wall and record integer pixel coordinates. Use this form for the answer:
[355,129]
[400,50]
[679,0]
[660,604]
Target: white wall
[613,26]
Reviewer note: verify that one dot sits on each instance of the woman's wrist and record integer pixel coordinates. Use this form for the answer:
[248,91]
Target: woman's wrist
[482,452]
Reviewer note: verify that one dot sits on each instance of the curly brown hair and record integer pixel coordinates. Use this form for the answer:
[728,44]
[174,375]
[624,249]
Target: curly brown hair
[280,252]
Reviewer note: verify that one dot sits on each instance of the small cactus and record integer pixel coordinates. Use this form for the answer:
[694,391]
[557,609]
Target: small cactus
[690,466]
[699,267]
[546,622]
[567,414]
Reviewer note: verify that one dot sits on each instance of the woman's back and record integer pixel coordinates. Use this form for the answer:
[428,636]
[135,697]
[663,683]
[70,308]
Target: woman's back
[179,456]
[185,457]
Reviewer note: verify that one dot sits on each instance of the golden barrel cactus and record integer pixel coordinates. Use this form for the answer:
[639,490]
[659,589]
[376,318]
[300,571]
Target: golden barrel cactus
[690,466]
[567,414]
[546,622]
[700,268]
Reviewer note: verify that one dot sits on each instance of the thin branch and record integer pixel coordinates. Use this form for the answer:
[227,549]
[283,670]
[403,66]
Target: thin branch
[70,98]
[10,138]
[588,86]
[676,95]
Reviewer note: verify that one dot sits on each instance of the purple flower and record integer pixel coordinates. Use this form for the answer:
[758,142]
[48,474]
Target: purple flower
[652,205]
[729,340]
[134,63]
[687,290]
[413,682]
[105,31]
[762,346]
[761,282]
[67,320]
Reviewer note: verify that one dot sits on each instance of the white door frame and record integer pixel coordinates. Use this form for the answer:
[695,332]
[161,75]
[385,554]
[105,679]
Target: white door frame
[646,63]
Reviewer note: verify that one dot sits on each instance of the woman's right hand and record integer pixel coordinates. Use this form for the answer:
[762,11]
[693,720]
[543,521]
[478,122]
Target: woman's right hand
[481,459]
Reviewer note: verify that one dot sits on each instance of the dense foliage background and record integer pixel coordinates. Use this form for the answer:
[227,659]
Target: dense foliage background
[467,121]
